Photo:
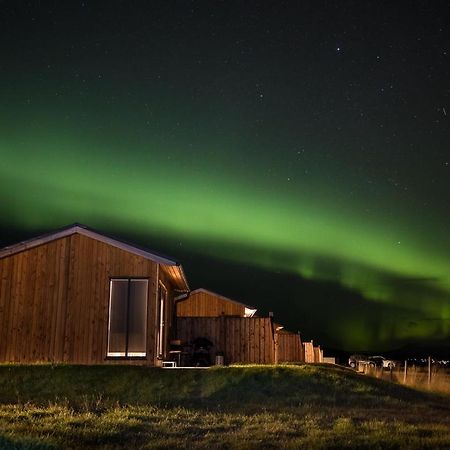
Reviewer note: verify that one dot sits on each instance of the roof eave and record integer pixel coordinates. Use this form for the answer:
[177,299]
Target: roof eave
[85,231]
[250,308]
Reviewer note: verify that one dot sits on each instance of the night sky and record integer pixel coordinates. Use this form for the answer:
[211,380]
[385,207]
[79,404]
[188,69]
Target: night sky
[292,155]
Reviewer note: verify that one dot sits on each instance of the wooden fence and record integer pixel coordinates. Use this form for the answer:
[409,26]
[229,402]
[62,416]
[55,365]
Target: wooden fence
[318,354]
[288,347]
[308,348]
[247,340]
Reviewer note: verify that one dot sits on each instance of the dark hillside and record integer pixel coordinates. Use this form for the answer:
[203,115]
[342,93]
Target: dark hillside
[231,387]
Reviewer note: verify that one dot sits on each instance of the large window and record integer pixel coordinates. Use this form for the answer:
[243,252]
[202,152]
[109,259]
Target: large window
[127,327]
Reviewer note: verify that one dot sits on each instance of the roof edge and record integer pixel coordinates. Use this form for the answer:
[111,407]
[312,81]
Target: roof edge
[89,232]
[207,291]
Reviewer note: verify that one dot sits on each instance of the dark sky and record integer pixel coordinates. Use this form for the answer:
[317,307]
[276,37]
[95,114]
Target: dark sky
[293,155]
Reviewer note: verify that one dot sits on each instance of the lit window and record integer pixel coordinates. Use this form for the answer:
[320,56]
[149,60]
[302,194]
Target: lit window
[127,327]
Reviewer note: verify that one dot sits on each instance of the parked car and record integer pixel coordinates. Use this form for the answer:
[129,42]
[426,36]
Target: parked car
[372,361]
[354,360]
[381,361]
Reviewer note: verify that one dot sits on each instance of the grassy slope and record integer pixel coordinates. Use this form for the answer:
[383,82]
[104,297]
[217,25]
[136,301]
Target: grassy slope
[289,406]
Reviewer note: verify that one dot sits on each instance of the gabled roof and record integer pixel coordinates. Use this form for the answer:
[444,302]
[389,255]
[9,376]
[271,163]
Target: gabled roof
[281,329]
[89,232]
[249,310]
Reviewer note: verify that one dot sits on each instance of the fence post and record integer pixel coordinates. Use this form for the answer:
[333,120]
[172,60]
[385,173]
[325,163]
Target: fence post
[276,343]
[429,371]
[405,371]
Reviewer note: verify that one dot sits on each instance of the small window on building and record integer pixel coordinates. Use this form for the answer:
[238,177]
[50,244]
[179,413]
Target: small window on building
[127,327]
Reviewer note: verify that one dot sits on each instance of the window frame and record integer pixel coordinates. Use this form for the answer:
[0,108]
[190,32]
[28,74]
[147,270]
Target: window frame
[161,324]
[111,355]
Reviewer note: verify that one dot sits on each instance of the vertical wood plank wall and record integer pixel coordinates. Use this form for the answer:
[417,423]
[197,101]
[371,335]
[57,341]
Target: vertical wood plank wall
[242,339]
[318,354]
[205,304]
[169,310]
[308,349]
[290,347]
[54,300]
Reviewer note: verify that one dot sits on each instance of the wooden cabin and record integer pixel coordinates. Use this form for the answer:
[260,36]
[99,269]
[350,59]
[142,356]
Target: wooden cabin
[204,303]
[308,351]
[79,296]
[288,345]
[229,326]
[318,354]
[313,354]
[234,331]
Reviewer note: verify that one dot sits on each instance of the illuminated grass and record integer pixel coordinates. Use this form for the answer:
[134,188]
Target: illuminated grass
[242,407]
[417,378]
[151,427]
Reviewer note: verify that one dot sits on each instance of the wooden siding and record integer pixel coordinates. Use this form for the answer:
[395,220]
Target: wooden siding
[308,349]
[288,347]
[318,355]
[169,310]
[54,300]
[241,339]
[205,304]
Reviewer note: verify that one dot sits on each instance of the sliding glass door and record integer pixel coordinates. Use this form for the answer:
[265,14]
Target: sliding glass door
[127,325]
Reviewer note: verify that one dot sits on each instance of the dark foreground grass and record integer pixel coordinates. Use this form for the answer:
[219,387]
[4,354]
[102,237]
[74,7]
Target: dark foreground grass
[240,407]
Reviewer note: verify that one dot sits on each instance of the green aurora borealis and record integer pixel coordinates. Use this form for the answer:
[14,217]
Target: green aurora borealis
[51,182]
[224,176]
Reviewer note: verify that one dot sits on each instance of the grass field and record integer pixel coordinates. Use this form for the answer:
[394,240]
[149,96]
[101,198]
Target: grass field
[307,406]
